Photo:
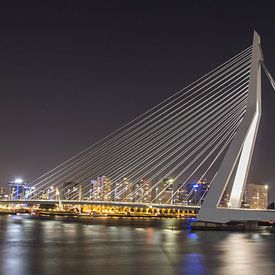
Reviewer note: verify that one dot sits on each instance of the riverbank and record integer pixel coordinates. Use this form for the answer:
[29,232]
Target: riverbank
[172,223]
[162,221]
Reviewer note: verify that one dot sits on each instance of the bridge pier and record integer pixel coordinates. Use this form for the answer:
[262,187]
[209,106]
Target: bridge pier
[232,226]
[251,226]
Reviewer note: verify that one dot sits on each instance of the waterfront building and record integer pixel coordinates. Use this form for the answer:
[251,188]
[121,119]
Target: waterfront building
[123,190]
[196,191]
[181,195]
[3,192]
[126,189]
[137,193]
[44,194]
[256,196]
[95,190]
[142,192]
[225,199]
[69,191]
[117,194]
[146,191]
[106,188]
[101,188]
[165,191]
[18,189]
[162,192]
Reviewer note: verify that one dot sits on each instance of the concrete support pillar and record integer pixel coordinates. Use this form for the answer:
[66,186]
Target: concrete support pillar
[251,226]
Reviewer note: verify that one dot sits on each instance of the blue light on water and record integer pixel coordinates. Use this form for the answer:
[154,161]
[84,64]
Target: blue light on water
[192,235]
[193,264]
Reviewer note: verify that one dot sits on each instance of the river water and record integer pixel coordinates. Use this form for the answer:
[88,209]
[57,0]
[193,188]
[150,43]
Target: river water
[134,246]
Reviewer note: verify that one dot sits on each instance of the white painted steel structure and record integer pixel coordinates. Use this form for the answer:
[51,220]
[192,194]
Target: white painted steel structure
[236,163]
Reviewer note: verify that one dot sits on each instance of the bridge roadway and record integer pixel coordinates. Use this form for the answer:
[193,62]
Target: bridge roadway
[105,203]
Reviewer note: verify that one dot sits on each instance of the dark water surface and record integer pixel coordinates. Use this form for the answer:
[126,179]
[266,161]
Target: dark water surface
[133,246]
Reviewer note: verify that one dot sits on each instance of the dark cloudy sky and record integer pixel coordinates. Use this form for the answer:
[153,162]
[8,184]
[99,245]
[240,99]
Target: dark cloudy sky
[71,72]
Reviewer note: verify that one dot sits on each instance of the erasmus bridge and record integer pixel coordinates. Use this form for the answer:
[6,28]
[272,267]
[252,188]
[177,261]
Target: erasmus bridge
[191,151]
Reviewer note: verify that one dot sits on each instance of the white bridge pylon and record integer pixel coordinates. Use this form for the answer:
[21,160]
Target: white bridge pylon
[235,165]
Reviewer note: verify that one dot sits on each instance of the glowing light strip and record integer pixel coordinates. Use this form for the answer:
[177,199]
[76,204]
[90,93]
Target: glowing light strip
[243,165]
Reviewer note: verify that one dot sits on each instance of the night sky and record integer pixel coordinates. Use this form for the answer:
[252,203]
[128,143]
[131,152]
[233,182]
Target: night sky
[72,72]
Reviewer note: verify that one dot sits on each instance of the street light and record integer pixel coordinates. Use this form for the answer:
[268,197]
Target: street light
[18,181]
[170,180]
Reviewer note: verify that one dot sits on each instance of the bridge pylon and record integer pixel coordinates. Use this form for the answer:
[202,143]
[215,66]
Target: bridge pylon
[233,172]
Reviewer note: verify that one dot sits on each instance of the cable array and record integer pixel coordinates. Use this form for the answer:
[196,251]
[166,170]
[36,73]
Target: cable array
[169,154]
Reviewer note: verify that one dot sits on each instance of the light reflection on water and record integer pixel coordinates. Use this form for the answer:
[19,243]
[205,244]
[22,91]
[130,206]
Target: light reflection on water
[31,247]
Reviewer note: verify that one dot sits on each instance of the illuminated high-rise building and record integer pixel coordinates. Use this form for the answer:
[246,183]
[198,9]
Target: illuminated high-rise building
[196,191]
[256,196]
[124,190]
[146,191]
[141,192]
[165,191]
[101,188]
[181,195]
[18,189]
[106,188]
[3,192]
